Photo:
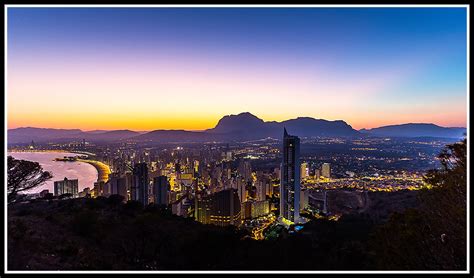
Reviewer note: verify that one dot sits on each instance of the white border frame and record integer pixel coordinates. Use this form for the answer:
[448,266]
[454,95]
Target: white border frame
[234,6]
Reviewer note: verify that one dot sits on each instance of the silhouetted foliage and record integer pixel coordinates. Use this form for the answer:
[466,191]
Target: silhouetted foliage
[24,175]
[115,199]
[433,236]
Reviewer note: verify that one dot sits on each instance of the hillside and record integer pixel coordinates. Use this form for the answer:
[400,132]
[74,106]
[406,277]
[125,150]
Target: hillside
[416,130]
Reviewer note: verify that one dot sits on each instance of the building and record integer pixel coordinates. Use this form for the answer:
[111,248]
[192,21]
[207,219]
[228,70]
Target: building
[118,186]
[202,209]
[269,189]
[326,170]
[140,184]
[245,170]
[161,187]
[242,190]
[317,174]
[222,208]
[98,189]
[255,209]
[290,179]
[181,206]
[304,170]
[66,187]
[304,199]
[225,209]
[317,201]
[260,208]
[261,190]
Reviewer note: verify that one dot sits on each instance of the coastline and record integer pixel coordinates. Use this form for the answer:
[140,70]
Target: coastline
[103,170]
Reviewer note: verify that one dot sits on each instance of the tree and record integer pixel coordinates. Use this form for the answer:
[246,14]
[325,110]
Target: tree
[24,175]
[434,235]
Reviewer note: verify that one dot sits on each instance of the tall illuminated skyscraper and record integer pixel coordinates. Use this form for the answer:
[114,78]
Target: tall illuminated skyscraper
[290,179]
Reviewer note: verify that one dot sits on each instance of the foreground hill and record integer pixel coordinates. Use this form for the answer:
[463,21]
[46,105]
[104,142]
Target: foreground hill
[416,130]
[105,234]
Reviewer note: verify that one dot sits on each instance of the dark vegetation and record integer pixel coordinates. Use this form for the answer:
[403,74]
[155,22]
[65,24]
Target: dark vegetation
[105,234]
[22,176]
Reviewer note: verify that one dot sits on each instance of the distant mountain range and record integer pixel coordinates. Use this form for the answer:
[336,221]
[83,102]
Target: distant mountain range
[243,126]
[416,130]
[28,134]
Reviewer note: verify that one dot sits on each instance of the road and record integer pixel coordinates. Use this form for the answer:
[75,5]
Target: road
[257,232]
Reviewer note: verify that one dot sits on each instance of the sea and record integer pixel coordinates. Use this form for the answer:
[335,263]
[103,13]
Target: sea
[84,172]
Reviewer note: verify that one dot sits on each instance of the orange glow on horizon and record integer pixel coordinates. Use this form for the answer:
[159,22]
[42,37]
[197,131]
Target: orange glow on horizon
[202,122]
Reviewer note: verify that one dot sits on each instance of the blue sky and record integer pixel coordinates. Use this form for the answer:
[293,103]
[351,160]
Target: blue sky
[367,66]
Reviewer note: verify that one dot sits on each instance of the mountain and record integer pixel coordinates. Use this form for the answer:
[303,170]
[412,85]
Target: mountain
[305,126]
[416,130]
[243,126]
[248,126]
[165,136]
[97,131]
[42,135]
[28,134]
[110,135]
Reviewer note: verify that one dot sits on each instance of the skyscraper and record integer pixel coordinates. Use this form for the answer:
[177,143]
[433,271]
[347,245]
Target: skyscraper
[290,179]
[139,190]
[160,190]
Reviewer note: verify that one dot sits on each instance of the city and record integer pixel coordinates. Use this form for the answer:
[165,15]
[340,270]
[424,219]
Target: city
[283,139]
[187,177]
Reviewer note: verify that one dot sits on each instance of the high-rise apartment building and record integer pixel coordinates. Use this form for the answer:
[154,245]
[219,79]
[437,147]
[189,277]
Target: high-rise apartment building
[66,187]
[304,170]
[160,190]
[290,179]
[326,170]
[140,184]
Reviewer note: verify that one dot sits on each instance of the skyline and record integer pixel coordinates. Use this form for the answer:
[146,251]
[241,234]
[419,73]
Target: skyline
[184,68]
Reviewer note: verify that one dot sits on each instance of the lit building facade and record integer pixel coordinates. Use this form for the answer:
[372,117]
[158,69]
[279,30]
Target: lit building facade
[304,170]
[326,170]
[222,208]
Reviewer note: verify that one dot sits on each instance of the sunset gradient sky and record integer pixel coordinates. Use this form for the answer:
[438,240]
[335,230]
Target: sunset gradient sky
[185,68]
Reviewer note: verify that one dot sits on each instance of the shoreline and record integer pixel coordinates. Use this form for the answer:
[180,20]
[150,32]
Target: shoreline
[103,170]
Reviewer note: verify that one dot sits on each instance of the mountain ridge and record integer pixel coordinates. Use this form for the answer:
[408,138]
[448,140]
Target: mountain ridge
[242,126]
[416,130]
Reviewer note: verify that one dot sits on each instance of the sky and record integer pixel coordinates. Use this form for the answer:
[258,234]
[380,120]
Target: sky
[185,68]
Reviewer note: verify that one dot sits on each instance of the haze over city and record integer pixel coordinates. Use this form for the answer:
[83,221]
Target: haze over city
[175,68]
